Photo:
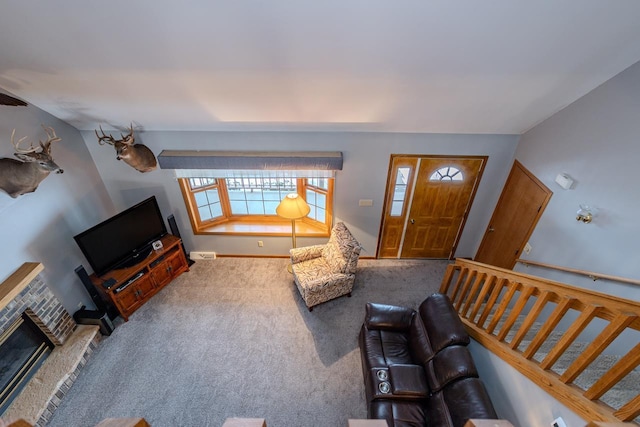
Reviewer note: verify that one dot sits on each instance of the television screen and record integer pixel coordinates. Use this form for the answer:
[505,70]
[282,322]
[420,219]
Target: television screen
[123,237]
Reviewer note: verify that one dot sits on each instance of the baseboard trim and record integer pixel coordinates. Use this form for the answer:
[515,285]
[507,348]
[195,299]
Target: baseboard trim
[219,255]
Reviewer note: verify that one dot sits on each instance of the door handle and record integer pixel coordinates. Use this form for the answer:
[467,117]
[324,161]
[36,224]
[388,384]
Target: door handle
[413,221]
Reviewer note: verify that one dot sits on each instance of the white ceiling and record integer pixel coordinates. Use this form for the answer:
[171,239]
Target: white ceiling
[460,66]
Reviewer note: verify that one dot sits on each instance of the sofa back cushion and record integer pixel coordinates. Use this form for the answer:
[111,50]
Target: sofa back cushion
[460,401]
[419,342]
[441,322]
[389,317]
[449,365]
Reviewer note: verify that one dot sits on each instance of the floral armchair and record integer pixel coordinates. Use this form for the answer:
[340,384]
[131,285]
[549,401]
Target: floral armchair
[325,272]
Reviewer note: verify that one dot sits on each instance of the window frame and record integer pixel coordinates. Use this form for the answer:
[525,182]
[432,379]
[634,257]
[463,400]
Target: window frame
[255,224]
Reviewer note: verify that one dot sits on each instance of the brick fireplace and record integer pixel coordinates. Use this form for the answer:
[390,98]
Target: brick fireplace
[37,301]
[25,292]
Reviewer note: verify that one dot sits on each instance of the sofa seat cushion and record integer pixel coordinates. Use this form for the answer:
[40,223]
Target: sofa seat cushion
[399,413]
[384,348]
[458,402]
[449,365]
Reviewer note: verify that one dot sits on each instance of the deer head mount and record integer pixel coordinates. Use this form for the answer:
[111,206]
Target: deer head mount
[21,177]
[138,156]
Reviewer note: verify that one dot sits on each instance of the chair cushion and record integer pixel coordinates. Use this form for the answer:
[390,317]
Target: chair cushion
[333,255]
[309,271]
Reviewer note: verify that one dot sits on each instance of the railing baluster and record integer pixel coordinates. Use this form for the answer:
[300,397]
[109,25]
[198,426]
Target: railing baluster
[617,372]
[515,312]
[570,335]
[486,287]
[537,308]
[513,287]
[474,290]
[597,346]
[495,294]
[629,411]
[465,288]
[448,276]
[548,327]
[454,293]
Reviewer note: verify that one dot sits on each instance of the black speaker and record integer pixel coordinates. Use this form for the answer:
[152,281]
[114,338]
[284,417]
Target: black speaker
[95,296]
[174,230]
[94,317]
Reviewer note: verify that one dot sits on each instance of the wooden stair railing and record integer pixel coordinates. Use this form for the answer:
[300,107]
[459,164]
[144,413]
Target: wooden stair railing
[492,302]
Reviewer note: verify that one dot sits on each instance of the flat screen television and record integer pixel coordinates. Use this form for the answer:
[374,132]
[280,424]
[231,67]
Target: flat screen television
[124,239]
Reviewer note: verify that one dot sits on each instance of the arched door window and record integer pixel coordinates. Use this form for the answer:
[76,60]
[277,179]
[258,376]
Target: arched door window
[447,173]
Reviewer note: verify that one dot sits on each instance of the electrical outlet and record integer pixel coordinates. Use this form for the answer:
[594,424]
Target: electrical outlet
[558,422]
[260,243]
[80,304]
[365,202]
[527,248]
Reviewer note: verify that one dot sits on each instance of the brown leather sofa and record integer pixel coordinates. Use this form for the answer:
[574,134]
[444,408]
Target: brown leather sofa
[417,368]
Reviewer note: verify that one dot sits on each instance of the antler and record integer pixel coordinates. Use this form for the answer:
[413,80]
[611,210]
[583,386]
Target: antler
[16,145]
[104,138]
[129,139]
[51,137]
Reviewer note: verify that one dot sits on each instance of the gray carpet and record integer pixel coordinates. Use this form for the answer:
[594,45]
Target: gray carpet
[233,338]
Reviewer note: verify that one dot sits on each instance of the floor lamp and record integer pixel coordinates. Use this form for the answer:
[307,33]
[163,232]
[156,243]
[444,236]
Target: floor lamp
[293,207]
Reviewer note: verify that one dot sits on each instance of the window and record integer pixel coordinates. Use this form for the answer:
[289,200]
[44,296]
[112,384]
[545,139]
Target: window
[448,173]
[400,191]
[247,204]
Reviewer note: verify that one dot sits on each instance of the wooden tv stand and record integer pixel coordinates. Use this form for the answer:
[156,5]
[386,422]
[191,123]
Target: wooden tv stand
[133,286]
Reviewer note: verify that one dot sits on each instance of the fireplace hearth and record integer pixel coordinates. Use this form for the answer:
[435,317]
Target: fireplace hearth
[29,310]
[23,348]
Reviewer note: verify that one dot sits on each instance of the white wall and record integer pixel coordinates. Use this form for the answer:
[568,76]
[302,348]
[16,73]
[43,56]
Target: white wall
[40,226]
[596,141]
[366,162]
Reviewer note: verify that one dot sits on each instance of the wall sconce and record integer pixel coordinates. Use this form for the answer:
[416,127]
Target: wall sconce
[584,214]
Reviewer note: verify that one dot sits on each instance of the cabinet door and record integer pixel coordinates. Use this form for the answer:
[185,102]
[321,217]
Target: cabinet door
[161,274]
[177,264]
[145,286]
[128,298]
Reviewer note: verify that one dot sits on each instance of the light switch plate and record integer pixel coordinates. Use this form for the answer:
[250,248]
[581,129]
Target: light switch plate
[558,422]
[365,202]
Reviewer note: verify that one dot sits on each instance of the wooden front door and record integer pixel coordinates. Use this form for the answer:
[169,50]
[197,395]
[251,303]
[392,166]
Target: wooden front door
[428,199]
[519,208]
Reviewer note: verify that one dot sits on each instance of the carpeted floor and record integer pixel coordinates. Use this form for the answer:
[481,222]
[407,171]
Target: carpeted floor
[233,338]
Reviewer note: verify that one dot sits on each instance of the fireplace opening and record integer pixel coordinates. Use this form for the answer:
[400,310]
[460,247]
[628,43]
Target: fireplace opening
[23,348]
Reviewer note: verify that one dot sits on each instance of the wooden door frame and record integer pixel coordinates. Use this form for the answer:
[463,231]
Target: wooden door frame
[545,202]
[387,195]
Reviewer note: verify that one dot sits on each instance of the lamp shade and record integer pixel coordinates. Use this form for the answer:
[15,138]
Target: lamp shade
[293,207]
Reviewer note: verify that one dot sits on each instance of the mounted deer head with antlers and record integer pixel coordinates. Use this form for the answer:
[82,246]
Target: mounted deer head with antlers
[138,156]
[20,177]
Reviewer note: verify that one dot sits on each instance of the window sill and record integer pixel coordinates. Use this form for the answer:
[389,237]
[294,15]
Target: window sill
[275,228]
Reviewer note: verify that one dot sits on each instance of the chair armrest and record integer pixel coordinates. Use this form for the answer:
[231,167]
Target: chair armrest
[326,280]
[388,317]
[306,253]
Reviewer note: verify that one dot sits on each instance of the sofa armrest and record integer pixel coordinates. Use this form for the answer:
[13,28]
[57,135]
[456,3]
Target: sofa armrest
[306,253]
[388,317]
[408,381]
